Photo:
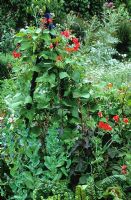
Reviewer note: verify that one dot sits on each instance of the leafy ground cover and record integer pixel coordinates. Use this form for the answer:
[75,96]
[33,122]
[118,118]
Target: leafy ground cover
[65,111]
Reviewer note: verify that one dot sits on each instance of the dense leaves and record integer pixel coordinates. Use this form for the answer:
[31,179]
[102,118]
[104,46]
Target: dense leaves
[65,113]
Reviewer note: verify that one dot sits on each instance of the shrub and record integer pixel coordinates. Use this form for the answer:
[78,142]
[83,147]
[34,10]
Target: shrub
[85,8]
[65,129]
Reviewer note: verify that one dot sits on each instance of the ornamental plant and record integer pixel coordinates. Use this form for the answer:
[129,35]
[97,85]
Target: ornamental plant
[45,80]
[61,129]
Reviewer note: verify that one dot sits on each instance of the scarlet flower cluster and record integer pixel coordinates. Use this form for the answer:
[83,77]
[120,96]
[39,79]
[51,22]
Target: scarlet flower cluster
[124,169]
[16,54]
[45,20]
[75,47]
[116,118]
[76,44]
[51,46]
[104,126]
[74,40]
[125,120]
[66,33]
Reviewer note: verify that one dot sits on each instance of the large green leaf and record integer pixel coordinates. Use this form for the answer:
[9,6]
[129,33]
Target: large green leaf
[63,75]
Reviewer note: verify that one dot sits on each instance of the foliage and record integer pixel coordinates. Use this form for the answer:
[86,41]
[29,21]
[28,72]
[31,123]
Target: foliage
[38,8]
[88,8]
[90,191]
[124,34]
[125,2]
[6,63]
[13,15]
[85,8]
[66,130]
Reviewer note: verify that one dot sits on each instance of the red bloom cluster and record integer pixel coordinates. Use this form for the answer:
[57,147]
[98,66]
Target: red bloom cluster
[75,47]
[16,54]
[116,118]
[49,20]
[100,114]
[104,126]
[66,33]
[45,20]
[76,43]
[124,169]
[125,120]
[51,46]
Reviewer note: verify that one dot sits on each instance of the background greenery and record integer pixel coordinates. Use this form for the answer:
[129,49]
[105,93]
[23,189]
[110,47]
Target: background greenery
[52,148]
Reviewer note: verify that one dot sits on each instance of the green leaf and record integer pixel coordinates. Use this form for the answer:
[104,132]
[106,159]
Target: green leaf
[16,105]
[29,181]
[28,99]
[63,75]
[25,45]
[76,76]
[46,37]
[75,112]
[84,95]
[38,30]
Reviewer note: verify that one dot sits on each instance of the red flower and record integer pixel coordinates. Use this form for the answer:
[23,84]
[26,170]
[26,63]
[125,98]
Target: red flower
[100,114]
[77,43]
[49,20]
[125,120]
[43,20]
[16,54]
[76,47]
[51,46]
[59,58]
[116,118]
[75,40]
[104,126]
[124,169]
[65,33]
